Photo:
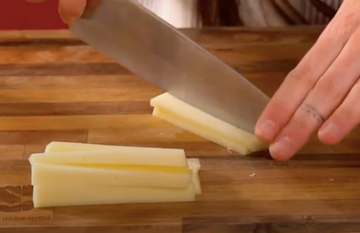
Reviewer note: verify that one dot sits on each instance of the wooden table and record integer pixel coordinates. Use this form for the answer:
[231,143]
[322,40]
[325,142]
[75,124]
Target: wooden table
[53,87]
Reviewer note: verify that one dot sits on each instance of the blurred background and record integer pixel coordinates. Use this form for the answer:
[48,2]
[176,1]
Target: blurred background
[22,15]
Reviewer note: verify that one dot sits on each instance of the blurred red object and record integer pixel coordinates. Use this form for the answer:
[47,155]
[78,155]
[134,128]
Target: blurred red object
[22,15]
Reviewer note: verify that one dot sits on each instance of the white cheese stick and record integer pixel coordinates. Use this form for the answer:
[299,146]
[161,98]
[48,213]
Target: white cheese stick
[185,116]
[83,153]
[109,157]
[132,176]
[194,165]
[66,149]
[58,195]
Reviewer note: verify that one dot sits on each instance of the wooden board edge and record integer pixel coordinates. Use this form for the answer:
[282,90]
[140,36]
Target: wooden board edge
[19,36]
[25,35]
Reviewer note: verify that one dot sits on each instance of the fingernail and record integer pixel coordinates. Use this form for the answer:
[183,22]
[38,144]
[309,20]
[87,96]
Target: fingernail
[329,130]
[282,149]
[266,130]
[66,19]
[68,15]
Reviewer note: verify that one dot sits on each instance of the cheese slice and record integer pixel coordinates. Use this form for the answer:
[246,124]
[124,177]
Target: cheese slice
[194,165]
[86,153]
[67,195]
[132,176]
[187,117]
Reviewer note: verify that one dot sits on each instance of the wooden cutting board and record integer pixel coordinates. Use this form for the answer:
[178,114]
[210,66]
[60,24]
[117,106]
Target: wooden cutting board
[53,87]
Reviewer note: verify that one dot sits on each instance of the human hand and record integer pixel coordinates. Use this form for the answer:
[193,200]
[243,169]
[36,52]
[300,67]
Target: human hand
[322,94]
[69,10]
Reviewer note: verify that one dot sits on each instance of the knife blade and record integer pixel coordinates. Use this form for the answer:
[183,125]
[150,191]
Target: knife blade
[156,51]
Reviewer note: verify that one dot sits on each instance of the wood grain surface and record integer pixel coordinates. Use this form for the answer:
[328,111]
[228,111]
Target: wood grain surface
[53,87]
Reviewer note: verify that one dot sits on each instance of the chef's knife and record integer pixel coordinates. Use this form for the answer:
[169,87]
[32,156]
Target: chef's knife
[156,51]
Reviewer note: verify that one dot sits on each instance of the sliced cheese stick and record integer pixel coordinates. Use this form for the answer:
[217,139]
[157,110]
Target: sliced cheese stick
[83,153]
[67,195]
[185,116]
[109,157]
[133,176]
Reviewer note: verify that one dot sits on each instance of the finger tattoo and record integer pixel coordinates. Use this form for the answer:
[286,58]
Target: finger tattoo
[314,113]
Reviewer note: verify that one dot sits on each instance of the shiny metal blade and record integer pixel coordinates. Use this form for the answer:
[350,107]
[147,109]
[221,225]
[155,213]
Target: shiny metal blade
[154,50]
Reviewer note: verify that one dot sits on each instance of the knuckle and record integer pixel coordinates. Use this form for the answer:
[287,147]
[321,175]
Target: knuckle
[348,110]
[346,115]
[293,74]
[351,20]
[332,87]
[346,22]
[302,77]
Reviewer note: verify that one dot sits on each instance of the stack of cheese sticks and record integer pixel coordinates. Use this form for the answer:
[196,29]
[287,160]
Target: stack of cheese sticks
[69,173]
[180,114]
